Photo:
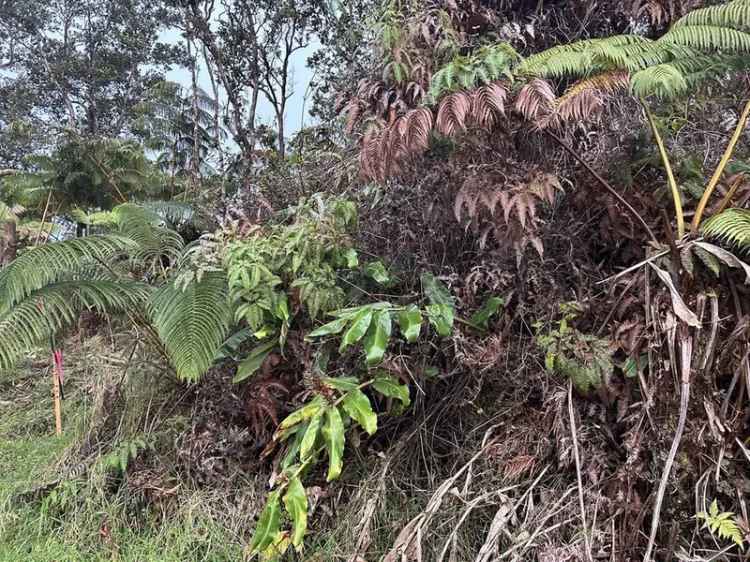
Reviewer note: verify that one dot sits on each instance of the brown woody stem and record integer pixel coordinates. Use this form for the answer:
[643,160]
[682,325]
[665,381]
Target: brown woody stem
[602,181]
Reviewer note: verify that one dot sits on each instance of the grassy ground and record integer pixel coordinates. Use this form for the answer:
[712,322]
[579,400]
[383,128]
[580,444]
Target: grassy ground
[89,518]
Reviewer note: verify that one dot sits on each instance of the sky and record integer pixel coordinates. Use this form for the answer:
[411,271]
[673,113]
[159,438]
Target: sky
[301,78]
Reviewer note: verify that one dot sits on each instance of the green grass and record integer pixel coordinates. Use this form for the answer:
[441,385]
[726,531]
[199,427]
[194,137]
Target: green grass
[88,519]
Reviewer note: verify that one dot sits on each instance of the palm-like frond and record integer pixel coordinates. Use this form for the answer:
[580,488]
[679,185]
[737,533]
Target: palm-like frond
[193,323]
[709,38]
[732,226]
[48,310]
[173,212]
[733,14]
[43,265]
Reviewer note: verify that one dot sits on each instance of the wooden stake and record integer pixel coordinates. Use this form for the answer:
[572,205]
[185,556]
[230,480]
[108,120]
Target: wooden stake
[56,397]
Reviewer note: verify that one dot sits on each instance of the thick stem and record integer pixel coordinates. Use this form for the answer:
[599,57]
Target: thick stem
[670,174]
[741,124]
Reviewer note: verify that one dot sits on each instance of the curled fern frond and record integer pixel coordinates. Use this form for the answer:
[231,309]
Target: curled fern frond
[48,310]
[193,322]
[47,264]
[732,226]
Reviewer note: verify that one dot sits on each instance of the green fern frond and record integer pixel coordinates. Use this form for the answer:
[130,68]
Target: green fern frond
[42,265]
[734,14]
[709,38]
[46,311]
[663,80]
[193,323]
[732,226]
[173,212]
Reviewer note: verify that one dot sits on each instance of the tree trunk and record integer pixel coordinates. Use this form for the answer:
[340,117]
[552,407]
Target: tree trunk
[9,243]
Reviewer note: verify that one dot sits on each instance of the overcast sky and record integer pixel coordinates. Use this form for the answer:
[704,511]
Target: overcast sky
[301,77]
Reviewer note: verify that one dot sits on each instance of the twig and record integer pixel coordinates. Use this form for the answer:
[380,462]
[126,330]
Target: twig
[602,181]
[581,501]
[686,352]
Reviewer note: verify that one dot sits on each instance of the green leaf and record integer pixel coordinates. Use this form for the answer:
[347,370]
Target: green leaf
[295,501]
[377,271]
[358,328]
[410,323]
[254,360]
[307,446]
[357,405]
[304,413]
[352,260]
[294,447]
[435,290]
[268,525]
[377,337]
[482,317]
[390,387]
[441,318]
[232,344]
[333,432]
[344,384]
[331,328]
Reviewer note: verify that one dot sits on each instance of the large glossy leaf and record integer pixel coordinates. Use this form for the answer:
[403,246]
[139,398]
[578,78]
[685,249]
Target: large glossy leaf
[254,360]
[304,413]
[357,405]
[491,307]
[333,432]
[435,290]
[441,318]
[344,384]
[410,323]
[329,329]
[388,386]
[295,501]
[268,525]
[377,337]
[357,330]
[307,446]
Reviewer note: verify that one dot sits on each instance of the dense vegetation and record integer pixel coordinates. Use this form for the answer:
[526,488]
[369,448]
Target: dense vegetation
[491,306]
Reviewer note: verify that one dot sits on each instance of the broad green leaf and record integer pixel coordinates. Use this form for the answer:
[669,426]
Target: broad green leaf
[295,501]
[352,260]
[299,432]
[377,337]
[331,328]
[358,328]
[491,307]
[388,386]
[441,318]
[410,323]
[307,446]
[232,344]
[351,312]
[377,271]
[333,432]
[268,525]
[344,384]
[435,290]
[253,361]
[304,413]
[357,405]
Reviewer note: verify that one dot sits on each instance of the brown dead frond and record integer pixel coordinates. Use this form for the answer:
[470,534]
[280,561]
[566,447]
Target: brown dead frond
[488,104]
[536,100]
[454,113]
[586,98]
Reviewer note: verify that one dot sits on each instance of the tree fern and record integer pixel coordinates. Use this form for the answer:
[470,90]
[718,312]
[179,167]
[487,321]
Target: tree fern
[42,265]
[732,226]
[709,38]
[734,14]
[46,311]
[192,322]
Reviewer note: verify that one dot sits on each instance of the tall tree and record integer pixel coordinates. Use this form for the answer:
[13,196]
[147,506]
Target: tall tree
[82,64]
